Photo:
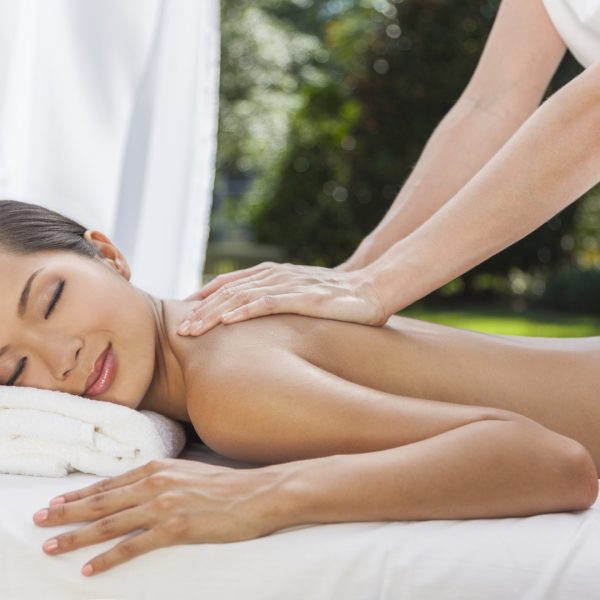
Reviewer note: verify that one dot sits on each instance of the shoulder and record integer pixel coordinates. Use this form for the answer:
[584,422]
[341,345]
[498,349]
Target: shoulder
[230,365]
[239,345]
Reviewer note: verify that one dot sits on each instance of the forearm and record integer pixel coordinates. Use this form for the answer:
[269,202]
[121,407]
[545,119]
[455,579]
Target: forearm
[552,160]
[520,56]
[468,136]
[482,470]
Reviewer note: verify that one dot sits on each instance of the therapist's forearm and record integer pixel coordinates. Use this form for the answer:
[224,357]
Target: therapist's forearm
[468,136]
[552,160]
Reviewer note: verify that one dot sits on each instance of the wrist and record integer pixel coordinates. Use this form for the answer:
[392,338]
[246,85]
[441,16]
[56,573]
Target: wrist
[382,276]
[284,504]
[298,491]
[398,278]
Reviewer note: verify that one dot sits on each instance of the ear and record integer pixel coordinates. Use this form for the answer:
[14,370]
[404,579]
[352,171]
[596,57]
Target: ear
[109,253]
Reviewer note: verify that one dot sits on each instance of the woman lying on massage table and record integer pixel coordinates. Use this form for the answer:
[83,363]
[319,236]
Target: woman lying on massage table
[408,421]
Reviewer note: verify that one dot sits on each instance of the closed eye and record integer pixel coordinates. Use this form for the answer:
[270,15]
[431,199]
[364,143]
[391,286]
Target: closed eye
[57,294]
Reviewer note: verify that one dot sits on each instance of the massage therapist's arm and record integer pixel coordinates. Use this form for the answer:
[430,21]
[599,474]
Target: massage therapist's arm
[519,59]
[517,63]
[552,160]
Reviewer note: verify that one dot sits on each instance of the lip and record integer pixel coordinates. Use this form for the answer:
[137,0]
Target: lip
[102,374]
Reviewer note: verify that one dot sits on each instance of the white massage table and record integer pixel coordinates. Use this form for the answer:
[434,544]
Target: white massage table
[545,557]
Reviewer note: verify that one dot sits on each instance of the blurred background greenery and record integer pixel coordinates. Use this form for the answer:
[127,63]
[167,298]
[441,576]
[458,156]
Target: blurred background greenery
[325,106]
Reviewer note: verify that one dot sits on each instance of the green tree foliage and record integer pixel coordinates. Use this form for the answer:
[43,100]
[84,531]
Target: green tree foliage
[262,60]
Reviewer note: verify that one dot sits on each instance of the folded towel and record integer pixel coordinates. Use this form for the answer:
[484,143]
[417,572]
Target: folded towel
[49,433]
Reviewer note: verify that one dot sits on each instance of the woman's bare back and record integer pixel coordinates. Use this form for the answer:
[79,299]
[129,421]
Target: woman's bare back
[550,380]
[554,381]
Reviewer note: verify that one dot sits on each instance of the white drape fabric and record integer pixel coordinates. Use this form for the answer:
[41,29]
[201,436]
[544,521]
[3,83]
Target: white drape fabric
[108,114]
[578,23]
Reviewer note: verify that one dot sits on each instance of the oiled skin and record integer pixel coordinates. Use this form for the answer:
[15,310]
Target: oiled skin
[300,359]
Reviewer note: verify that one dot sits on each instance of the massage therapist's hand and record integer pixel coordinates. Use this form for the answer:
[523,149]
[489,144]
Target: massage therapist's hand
[270,288]
[172,501]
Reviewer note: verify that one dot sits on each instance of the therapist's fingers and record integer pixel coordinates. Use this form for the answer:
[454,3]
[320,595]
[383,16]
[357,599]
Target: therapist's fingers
[218,296]
[311,291]
[270,304]
[237,291]
[226,300]
[252,281]
[219,281]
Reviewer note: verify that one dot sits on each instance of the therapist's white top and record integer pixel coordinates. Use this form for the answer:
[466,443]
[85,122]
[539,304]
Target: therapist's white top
[578,23]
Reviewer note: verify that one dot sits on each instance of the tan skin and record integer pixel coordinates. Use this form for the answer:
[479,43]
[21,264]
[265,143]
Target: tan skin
[449,415]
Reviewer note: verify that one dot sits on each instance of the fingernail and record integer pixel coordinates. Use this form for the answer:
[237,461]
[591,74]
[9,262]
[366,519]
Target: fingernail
[58,500]
[41,515]
[51,544]
[197,327]
[184,327]
[87,570]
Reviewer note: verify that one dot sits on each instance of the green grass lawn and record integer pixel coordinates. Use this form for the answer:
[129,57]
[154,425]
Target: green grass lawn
[503,321]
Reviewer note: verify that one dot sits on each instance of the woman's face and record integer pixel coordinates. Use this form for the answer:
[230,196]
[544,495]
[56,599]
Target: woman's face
[62,338]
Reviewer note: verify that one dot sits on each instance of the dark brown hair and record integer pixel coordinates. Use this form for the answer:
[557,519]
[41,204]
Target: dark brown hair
[26,228]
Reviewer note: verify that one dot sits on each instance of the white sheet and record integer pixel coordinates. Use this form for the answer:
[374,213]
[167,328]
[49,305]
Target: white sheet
[544,557]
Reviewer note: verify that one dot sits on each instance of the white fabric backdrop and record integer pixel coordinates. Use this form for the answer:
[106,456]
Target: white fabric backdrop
[108,113]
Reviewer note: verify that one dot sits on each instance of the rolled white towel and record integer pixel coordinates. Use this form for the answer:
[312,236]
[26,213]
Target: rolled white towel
[48,433]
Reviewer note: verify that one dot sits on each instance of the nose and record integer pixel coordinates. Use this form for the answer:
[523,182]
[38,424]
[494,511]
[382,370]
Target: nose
[66,365]
[60,355]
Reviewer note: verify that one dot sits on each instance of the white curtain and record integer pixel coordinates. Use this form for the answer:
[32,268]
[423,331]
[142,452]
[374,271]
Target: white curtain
[108,114]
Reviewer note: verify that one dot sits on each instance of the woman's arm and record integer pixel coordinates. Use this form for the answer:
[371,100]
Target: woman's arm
[552,160]
[393,457]
[453,461]
[487,469]
[519,58]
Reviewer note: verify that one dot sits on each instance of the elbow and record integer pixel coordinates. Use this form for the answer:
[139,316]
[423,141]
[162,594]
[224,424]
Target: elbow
[583,475]
[568,476]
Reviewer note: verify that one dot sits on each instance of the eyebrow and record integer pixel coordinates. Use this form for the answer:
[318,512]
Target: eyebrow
[24,298]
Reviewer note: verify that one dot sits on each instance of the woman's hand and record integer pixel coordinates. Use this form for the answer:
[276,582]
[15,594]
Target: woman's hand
[174,501]
[270,288]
